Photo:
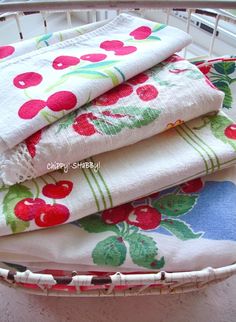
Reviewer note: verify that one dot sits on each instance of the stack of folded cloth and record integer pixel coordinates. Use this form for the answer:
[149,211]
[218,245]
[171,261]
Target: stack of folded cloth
[109,145]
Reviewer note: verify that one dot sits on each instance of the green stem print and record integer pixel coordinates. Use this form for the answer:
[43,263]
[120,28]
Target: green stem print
[130,224]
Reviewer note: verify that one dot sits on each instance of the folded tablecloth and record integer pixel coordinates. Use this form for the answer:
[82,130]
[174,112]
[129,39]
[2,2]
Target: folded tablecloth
[198,147]
[167,95]
[41,86]
[188,227]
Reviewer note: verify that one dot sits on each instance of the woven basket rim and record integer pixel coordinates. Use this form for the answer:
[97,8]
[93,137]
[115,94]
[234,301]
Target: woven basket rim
[144,278]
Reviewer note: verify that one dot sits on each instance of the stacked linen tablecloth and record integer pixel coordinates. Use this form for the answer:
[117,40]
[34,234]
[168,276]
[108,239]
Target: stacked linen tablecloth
[181,219]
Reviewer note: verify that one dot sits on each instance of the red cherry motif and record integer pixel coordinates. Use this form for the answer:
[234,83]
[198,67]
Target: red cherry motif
[52,215]
[109,98]
[82,125]
[192,186]
[62,62]
[32,141]
[29,208]
[141,33]
[111,45]
[123,90]
[147,92]
[63,100]
[94,57]
[144,217]
[30,109]
[126,50]
[230,131]
[6,51]
[59,190]
[139,79]
[26,80]
[117,214]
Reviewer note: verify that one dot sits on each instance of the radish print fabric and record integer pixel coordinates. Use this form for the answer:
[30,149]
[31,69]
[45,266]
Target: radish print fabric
[42,86]
[163,97]
[185,228]
[202,146]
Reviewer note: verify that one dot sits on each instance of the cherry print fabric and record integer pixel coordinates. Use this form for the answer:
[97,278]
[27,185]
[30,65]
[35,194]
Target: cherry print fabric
[68,74]
[163,97]
[201,146]
[185,228]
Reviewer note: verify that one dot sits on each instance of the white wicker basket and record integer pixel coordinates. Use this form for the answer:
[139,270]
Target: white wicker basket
[118,284]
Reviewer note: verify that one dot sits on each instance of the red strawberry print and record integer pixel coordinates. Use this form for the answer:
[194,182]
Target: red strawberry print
[117,214]
[29,208]
[62,62]
[59,190]
[30,109]
[144,217]
[32,141]
[63,100]
[139,79]
[173,59]
[109,98]
[111,45]
[94,57]
[192,186]
[230,131]
[26,80]
[52,215]
[142,32]
[126,50]
[6,51]
[147,92]
[204,68]
[82,125]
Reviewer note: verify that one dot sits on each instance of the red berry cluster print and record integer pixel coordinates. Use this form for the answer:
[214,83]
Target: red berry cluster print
[43,213]
[131,223]
[59,101]
[118,47]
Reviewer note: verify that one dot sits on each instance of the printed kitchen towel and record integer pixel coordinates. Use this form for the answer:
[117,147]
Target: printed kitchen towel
[23,47]
[198,147]
[42,86]
[185,228]
[168,94]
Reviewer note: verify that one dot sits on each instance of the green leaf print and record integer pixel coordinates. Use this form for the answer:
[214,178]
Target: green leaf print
[224,87]
[15,194]
[175,205]
[143,251]
[95,224]
[180,229]
[225,68]
[158,27]
[112,121]
[86,73]
[110,251]
[220,127]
